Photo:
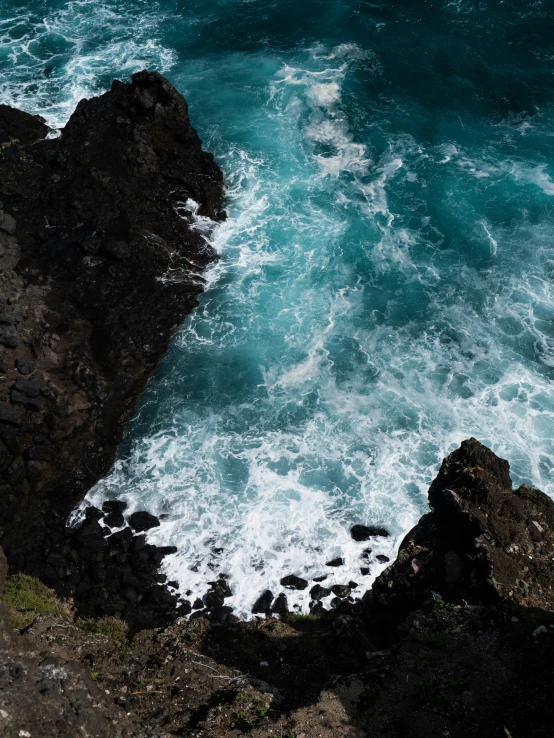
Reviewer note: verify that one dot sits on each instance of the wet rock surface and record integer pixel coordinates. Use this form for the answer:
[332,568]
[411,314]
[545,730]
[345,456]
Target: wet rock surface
[97,270]
[113,573]
[365,532]
[294,582]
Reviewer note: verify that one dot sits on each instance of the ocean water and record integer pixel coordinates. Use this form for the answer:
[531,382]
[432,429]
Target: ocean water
[385,287]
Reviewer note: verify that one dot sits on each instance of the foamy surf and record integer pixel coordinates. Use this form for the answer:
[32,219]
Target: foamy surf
[384,289]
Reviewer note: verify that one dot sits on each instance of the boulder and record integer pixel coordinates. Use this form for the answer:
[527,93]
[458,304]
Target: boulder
[318,592]
[143,520]
[293,582]
[263,603]
[281,606]
[364,532]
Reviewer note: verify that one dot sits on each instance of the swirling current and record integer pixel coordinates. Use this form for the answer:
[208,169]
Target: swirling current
[386,281]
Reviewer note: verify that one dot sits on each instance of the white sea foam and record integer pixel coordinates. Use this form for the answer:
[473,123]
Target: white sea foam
[52,61]
[347,340]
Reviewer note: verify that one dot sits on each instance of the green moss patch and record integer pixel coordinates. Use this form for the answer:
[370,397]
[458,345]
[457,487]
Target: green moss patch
[113,628]
[27,598]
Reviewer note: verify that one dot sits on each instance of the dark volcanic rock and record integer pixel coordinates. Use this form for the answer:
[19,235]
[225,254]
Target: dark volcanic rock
[143,520]
[25,366]
[48,694]
[99,265]
[483,541]
[113,574]
[29,128]
[293,582]
[263,603]
[339,561]
[318,592]
[340,590]
[114,520]
[114,506]
[364,532]
[439,647]
[281,605]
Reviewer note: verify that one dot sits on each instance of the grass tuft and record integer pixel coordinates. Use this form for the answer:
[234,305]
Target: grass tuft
[27,598]
[113,628]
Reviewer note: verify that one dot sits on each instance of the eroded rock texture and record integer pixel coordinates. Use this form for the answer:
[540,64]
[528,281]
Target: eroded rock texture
[483,542]
[98,266]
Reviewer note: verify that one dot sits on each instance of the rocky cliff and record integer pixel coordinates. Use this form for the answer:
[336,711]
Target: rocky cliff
[99,264]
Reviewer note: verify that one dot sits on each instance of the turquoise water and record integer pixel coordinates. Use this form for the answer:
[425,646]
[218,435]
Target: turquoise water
[385,287]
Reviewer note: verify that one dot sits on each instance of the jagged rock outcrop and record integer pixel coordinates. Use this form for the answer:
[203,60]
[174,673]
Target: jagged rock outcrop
[483,542]
[99,264]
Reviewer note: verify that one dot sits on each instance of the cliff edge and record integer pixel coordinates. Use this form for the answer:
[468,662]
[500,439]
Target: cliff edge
[99,264]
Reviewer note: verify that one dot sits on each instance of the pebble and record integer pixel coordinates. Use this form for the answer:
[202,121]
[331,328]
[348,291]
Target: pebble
[25,366]
[7,223]
[8,336]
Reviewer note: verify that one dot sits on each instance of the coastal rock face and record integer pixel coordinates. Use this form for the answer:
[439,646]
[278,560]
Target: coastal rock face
[99,264]
[483,542]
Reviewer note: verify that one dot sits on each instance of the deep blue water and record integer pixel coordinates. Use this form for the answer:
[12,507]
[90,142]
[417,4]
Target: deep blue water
[386,282]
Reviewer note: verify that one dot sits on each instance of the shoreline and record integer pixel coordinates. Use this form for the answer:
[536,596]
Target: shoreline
[454,638]
[89,229]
